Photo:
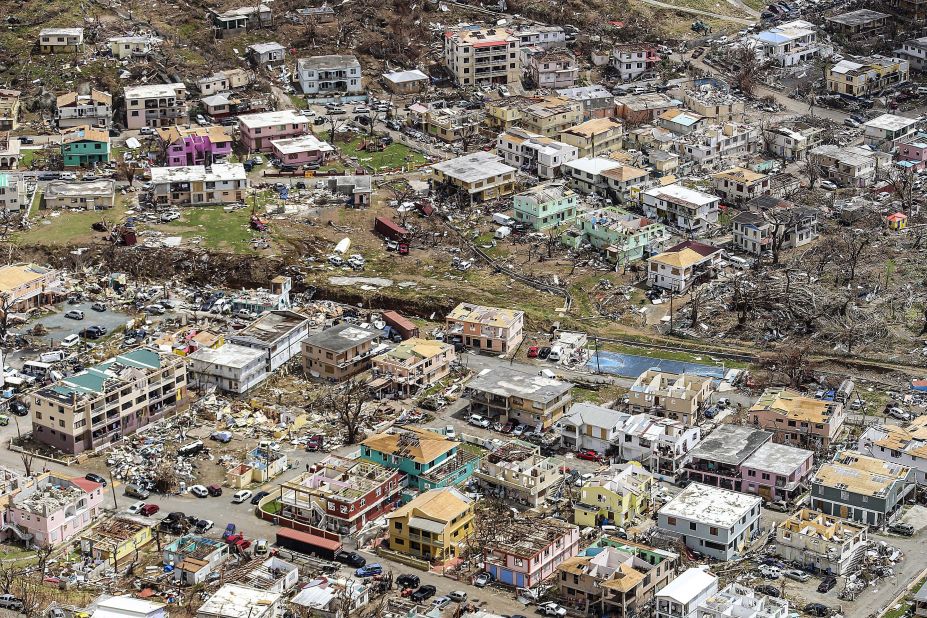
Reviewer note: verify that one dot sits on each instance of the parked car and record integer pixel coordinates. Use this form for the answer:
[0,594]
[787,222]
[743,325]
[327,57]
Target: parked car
[369,570]
[901,528]
[8,601]
[533,351]
[441,602]
[551,609]
[70,341]
[199,491]
[587,454]
[779,505]
[458,596]
[204,525]
[149,509]
[98,307]
[93,332]
[817,609]
[796,574]
[543,353]
[96,478]
[74,314]
[770,591]
[423,593]
[315,443]
[482,580]
[351,558]
[770,572]
[828,185]
[258,496]
[827,584]
[136,508]
[214,490]
[240,496]
[478,421]
[408,581]
[136,491]
[154,309]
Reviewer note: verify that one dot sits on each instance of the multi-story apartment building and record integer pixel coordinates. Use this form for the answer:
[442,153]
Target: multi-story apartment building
[186,146]
[554,68]
[89,195]
[715,522]
[792,226]
[340,495]
[683,596]
[914,51]
[339,352]
[777,472]
[94,110]
[529,551]
[606,177]
[547,116]
[789,44]
[30,286]
[546,206]
[329,75]
[534,153]
[670,395]
[616,579]
[12,193]
[108,401]
[515,472]
[588,426]
[451,124]
[507,395]
[277,334]
[480,175]
[859,25]
[690,210]
[427,459]
[716,104]
[866,76]
[819,542]
[258,130]
[743,602]
[435,525]
[83,146]
[792,142]
[156,105]
[479,57]
[798,420]
[682,266]
[596,100]
[847,166]
[906,446]
[9,109]
[489,329]
[61,40]
[632,60]
[641,108]
[595,137]
[620,236]
[887,131]
[125,47]
[738,185]
[413,365]
[229,367]
[53,510]
[190,185]
[616,495]
[662,445]
[546,37]
[865,489]
[718,144]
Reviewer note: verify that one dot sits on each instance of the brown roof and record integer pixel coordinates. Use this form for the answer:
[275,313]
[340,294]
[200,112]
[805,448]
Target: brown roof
[174,133]
[699,247]
[420,445]
[84,133]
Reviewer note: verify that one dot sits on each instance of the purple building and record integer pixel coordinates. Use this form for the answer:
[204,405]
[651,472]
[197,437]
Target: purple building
[194,145]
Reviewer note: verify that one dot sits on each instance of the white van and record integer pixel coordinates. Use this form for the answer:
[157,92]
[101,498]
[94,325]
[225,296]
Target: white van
[738,262]
[52,357]
[503,232]
[241,496]
[556,352]
[70,341]
[502,219]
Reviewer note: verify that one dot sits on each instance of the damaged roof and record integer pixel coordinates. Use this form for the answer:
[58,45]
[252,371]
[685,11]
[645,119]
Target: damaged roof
[731,444]
[507,382]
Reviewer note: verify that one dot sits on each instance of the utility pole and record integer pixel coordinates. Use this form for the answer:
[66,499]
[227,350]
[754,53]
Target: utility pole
[112,487]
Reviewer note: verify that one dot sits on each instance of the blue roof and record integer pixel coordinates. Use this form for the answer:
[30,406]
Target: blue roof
[685,120]
[772,37]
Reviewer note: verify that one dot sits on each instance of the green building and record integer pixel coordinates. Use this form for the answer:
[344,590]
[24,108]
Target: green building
[428,459]
[83,146]
[623,237]
[546,206]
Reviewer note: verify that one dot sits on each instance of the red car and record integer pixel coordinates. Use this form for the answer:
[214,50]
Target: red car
[243,544]
[149,509]
[533,351]
[508,427]
[235,538]
[588,455]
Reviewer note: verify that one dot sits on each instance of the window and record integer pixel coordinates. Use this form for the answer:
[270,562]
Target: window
[713,531]
[692,525]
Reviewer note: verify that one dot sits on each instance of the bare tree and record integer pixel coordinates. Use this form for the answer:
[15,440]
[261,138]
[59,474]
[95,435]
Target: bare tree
[492,525]
[345,403]
[901,180]
[747,71]
[127,171]
[811,170]
[852,243]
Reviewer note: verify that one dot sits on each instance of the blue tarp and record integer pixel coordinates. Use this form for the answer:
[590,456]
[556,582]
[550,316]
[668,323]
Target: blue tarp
[631,366]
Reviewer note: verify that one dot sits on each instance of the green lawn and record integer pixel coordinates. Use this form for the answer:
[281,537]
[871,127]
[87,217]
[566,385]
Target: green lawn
[67,227]
[393,156]
[298,101]
[26,157]
[226,231]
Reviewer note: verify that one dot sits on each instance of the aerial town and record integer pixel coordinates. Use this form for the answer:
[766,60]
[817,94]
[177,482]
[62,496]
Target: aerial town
[463,309]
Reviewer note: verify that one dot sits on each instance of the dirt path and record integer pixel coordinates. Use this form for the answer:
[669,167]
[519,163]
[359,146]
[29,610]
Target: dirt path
[684,9]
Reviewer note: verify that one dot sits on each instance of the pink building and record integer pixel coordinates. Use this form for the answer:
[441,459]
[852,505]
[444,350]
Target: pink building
[533,552]
[777,472]
[195,145]
[300,150]
[53,510]
[914,149]
[258,130]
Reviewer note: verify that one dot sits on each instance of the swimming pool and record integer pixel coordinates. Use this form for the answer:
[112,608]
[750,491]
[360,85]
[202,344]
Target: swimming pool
[631,366]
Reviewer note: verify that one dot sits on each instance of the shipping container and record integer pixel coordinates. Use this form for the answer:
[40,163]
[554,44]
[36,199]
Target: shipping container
[309,544]
[389,228]
[405,327]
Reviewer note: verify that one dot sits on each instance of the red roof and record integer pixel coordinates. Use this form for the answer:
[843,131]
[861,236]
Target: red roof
[305,537]
[88,486]
[898,216]
[699,247]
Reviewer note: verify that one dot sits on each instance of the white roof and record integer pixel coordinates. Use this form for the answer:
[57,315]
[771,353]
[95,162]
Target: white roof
[845,66]
[62,32]
[263,48]
[228,355]
[890,122]
[679,193]
[401,77]
[474,166]
[302,143]
[190,173]
[150,91]
[710,505]
[234,601]
[125,606]
[272,119]
[688,585]
[593,165]
[216,99]
[594,416]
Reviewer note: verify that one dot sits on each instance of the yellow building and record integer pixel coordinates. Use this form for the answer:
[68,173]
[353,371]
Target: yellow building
[618,494]
[547,116]
[865,76]
[116,540]
[433,526]
[594,138]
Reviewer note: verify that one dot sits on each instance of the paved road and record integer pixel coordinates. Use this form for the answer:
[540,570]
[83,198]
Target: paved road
[691,11]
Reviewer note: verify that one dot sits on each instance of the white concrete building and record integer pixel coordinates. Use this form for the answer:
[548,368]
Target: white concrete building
[690,210]
[12,192]
[789,44]
[682,597]
[588,426]
[267,53]
[915,52]
[482,57]
[237,601]
[279,334]
[534,153]
[662,445]
[848,166]
[682,266]
[330,75]
[634,60]
[885,132]
[124,47]
[231,368]
[547,37]
[737,601]
[605,177]
[156,105]
[221,183]
[516,472]
[819,542]
[75,110]
[715,522]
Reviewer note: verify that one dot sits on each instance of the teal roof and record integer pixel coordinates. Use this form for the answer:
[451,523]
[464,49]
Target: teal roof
[91,380]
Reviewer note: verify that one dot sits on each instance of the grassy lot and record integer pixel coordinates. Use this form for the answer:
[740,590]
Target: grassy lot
[66,227]
[394,155]
[220,230]
[26,157]
[905,604]
[298,101]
